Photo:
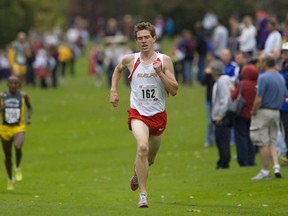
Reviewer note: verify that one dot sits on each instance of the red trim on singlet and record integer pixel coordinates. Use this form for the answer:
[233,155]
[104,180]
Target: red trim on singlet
[158,60]
[134,68]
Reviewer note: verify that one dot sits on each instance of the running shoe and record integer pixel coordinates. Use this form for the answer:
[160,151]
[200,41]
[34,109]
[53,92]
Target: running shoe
[18,174]
[134,185]
[277,171]
[10,185]
[143,201]
[261,176]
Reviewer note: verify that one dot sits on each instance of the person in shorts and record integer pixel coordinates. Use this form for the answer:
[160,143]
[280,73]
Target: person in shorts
[152,80]
[271,92]
[12,130]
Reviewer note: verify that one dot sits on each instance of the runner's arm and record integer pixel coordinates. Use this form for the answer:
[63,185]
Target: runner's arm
[166,75]
[2,105]
[29,107]
[117,73]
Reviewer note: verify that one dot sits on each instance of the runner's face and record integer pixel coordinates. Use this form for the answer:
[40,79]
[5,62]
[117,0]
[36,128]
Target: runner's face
[144,40]
[13,85]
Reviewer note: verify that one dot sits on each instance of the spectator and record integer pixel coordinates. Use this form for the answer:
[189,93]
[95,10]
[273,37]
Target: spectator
[220,39]
[262,32]
[284,108]
[285,31]
[241,60]
[231,68]
[234,32]
[65,55]
[247,39]
[271,91]
[186,46]
[159,26]
[41,67]
[244,146]
[169,27]
[30,58]
[220,102]
[208,81]
[209,22]
[112,28]
[274,40]
[54,64]
[201,50]
[17,57]
[4,65]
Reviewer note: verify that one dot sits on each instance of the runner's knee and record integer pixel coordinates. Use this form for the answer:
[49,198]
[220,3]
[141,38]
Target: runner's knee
[143,149]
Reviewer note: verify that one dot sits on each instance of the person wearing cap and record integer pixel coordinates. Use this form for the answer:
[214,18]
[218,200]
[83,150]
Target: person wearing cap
[284,108]
[271,92]
[220,102]
[244,146]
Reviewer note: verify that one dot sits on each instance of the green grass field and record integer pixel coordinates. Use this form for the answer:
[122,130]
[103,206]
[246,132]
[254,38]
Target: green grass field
[78,159]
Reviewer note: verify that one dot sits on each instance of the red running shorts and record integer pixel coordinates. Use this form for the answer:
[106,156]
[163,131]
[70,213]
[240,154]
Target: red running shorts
[156,123]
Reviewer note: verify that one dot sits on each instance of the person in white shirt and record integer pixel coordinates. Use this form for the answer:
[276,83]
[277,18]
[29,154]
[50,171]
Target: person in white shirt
[209,22]
[247,38]
[274,41]
[220,39]
[152,80]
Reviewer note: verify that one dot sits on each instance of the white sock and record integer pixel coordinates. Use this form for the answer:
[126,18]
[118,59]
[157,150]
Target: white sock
[265,172]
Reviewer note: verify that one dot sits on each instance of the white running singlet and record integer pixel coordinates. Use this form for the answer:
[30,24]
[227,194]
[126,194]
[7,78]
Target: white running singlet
[148,94]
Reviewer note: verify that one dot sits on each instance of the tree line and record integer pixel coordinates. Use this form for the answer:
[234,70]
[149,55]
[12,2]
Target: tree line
[23,15]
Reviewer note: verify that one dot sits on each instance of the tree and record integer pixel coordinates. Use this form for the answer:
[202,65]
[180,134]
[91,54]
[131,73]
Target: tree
[49,14]
[15,16]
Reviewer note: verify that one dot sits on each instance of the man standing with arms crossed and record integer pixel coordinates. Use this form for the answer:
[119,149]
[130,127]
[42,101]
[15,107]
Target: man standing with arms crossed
[152,80]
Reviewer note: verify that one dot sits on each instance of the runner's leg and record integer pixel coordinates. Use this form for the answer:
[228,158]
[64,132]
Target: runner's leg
[141,133]
[7,148]
[18,141]
[154,145]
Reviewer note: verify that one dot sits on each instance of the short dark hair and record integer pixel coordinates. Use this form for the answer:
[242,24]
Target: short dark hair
[270,61]
[144,26]
[239,52]
[272,21]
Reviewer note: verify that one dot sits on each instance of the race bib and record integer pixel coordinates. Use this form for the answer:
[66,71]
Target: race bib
[12,115]
[148,93]
[20,59]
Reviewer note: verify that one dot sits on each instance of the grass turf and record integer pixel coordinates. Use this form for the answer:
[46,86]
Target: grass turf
[79,153]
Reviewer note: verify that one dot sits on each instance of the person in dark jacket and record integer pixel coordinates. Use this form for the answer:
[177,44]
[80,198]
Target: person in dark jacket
[201,50]
[284,108]
[208,82]
[187,47]
[244,146]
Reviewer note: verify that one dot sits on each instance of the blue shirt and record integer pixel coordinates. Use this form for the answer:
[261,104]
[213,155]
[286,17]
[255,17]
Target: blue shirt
[271,87]
[232,70]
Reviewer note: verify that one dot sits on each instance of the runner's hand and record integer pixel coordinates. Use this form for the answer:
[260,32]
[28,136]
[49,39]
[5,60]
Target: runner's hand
[114,99]
[157,65]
